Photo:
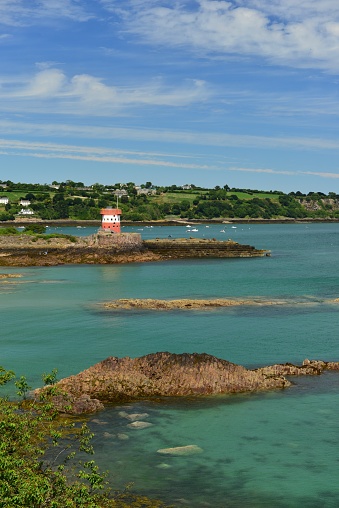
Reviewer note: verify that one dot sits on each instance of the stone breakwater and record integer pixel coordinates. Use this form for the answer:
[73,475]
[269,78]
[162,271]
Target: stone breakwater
[108,248]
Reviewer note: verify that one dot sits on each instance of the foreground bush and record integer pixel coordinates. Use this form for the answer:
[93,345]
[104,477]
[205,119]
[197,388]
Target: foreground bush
[38,464]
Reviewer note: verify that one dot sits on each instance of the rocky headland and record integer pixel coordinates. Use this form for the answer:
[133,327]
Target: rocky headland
[108,248]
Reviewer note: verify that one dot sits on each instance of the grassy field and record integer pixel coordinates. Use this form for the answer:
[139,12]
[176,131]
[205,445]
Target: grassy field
[260,195]
[177,197]
[15,196]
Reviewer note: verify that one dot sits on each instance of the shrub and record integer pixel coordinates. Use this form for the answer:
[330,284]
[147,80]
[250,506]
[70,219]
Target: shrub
[38,464]
[9,231]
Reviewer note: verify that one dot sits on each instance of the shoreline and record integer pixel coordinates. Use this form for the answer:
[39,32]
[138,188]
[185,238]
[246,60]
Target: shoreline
[169,222]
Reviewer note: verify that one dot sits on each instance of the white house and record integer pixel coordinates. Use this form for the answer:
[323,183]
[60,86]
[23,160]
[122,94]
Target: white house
[4,201]
[120,192]
[24,202]
[26,211]
[147,192]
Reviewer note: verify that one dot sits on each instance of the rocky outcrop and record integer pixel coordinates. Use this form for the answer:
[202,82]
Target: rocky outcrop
[186,303]
[308,368]
[169,375]
[108,248]
[163,375]
[10,276]
[202,248]
[27,250]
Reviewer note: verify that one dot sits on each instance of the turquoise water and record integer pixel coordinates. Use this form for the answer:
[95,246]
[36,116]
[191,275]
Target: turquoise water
[277,449]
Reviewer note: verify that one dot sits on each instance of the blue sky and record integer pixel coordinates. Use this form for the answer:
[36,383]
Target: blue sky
[209,92]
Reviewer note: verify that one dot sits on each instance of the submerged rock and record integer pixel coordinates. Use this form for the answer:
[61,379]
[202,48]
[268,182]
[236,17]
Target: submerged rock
[163,465]
[181,450]
[133,417]
[123,437]
[139,425]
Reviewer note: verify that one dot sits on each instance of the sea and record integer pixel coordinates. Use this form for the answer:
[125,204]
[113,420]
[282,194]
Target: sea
[276,449]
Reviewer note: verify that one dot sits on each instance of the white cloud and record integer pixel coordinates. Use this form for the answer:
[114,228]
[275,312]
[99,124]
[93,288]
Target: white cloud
[86,94]
[283,32]
[47,83]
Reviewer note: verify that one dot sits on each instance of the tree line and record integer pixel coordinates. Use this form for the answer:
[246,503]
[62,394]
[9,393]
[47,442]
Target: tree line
[72,200]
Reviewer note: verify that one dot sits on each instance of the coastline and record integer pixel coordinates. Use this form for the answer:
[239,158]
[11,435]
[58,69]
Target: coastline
[167,222]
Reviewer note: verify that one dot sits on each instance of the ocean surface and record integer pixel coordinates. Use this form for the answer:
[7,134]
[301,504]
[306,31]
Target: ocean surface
[277,449]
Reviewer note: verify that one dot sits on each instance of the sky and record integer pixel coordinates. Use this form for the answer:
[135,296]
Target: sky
[241,93]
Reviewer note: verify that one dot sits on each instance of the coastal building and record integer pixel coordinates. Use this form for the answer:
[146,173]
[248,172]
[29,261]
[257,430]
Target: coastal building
[26,211]
[145,191]
[119,193]
[24,202]
[110,219]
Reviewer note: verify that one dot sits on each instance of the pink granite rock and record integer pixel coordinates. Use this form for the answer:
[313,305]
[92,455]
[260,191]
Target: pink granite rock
[162,375]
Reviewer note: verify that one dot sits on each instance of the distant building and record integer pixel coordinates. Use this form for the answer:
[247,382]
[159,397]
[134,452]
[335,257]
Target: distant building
[120,192]
[188,186]
[3,185]
[4,201]
[26,211]
[24,202]
[147,192]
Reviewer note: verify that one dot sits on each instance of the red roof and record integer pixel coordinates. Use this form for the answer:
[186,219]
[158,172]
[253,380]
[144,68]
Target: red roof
[110,211]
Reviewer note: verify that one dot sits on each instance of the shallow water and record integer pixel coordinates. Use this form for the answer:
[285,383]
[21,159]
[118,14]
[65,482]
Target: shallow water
[277,449]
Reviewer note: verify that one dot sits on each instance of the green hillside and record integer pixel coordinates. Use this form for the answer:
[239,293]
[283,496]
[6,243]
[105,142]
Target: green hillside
[73,200]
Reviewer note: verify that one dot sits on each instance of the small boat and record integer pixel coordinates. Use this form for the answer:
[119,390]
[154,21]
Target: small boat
[194,229]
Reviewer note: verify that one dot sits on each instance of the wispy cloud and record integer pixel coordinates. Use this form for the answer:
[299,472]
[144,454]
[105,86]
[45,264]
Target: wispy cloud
[299,34]
[23,12]
[218,139]
[40,150]
[104,155]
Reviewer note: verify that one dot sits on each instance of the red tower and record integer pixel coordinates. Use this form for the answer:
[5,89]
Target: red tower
[110,219]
